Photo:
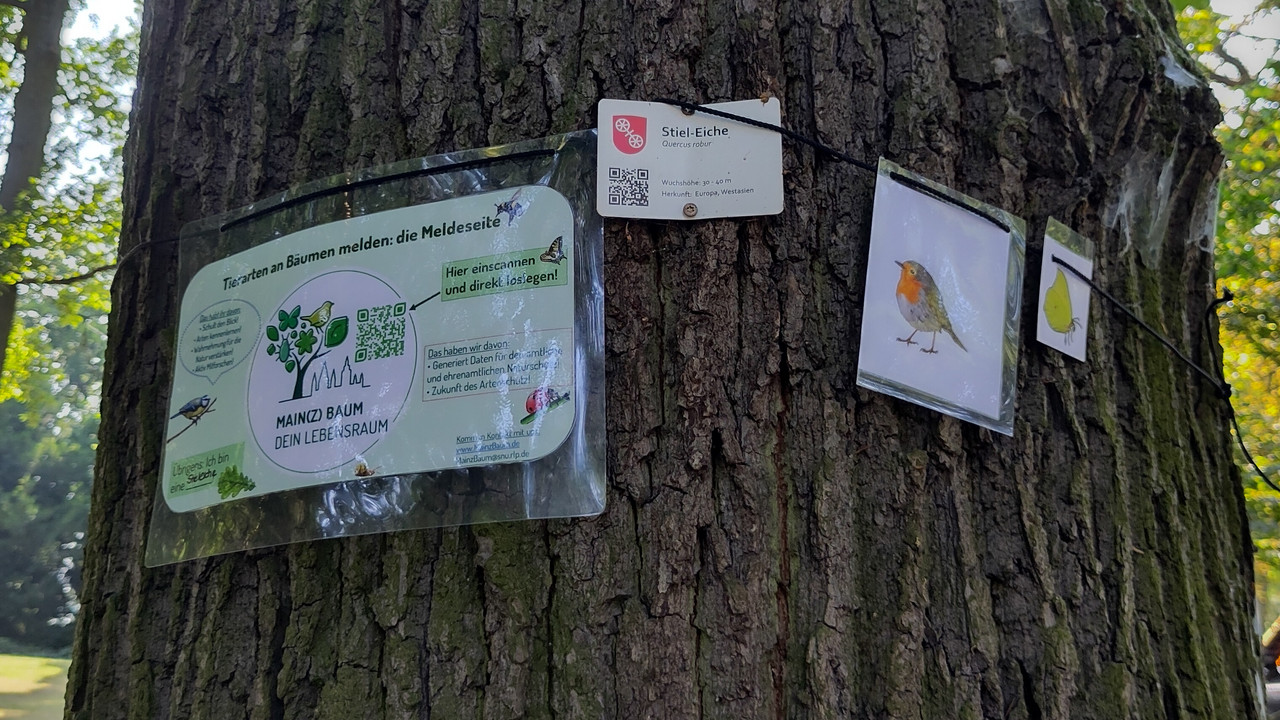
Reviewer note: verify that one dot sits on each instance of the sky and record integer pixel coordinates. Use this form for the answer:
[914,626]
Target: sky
[100,16]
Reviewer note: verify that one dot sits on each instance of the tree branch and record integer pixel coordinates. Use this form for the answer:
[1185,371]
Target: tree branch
[1222,79]
[1256,38]
[1246,77]
[66,280]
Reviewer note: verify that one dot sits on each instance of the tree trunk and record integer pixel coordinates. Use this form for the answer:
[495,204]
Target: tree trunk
[32,118]
[777,542]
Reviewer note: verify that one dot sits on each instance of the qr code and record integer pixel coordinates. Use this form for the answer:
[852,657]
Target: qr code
[380,332]
[628,186]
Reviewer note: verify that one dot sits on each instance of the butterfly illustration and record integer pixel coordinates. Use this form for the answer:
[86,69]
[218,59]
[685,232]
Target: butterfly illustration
[512,208]
[1057,308]
[553,254]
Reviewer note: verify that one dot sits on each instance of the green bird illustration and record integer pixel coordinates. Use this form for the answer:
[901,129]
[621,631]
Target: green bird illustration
[321,314]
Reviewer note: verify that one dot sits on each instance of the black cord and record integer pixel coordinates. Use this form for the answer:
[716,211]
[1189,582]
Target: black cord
[1245,450]
[354,184]
[828,150]
[1212,311]
[1223,389]
[692,108]
[938,194]
[133,251]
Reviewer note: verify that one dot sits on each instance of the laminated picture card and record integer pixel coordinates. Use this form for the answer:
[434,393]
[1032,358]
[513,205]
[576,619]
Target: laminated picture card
[940,313]
[1062,321]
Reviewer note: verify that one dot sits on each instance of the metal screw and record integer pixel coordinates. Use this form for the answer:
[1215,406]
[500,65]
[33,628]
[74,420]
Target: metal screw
[690,210]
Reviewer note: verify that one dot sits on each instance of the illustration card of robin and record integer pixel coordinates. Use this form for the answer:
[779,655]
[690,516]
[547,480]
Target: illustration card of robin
[1062,319]
[940,313]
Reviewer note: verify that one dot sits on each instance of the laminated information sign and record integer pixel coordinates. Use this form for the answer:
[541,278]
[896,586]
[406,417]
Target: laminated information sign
[371,346]
[415,345]
[657,163]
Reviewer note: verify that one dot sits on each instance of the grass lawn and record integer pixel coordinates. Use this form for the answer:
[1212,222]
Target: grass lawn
[31,687]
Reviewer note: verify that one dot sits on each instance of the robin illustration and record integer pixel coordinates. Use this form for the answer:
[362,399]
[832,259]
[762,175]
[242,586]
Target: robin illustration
[921,305]
[321,315]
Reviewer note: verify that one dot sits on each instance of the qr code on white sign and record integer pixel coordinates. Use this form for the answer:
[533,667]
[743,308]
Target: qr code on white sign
[628,186]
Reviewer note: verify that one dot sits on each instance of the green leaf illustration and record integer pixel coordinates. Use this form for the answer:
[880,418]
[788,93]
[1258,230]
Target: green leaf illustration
[306,342]
[336,332]
[272,333]
[271,349]
[232,482]
[289,365]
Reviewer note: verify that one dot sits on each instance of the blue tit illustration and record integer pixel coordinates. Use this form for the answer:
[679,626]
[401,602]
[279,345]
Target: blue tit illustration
[194,408]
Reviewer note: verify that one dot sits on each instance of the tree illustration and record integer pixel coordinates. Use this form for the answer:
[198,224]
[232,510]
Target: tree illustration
[297,340]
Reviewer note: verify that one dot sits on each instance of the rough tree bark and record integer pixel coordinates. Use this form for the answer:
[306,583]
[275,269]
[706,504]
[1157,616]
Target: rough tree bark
[778,542]
[32,118]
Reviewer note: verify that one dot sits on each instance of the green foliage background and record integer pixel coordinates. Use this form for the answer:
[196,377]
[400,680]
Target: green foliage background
[57,245]
[67,225]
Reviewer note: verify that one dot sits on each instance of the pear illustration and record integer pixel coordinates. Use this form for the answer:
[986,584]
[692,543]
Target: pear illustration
[1057,308]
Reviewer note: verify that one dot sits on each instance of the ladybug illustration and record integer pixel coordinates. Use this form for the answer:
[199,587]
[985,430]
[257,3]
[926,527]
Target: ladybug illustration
[540,398]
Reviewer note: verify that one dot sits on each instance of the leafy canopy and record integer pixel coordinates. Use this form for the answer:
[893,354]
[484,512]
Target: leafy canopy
[56,240]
